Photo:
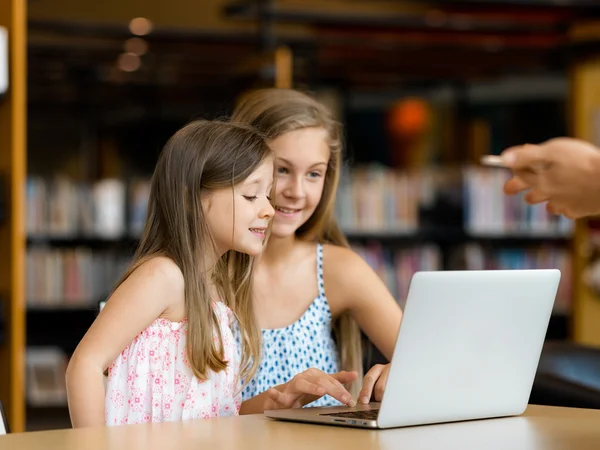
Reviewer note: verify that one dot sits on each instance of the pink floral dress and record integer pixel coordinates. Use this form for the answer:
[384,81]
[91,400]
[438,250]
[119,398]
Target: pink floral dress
[152,381]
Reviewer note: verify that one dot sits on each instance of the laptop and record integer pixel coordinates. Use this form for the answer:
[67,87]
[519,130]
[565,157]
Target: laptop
[468,348]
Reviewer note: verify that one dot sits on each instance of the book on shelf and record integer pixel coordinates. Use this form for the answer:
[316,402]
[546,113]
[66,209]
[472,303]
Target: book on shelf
[380,200]
[65,208]
[57,277]
[396,267]
[46,368]
[488,210]
[374,198]
[138,205]
[473,256]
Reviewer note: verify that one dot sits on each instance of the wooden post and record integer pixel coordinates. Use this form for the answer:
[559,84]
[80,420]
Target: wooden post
[585,124]
[13,135]
[283,68]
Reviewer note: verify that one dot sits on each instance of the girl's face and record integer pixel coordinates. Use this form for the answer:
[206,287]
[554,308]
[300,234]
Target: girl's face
[302,157]
[238,217]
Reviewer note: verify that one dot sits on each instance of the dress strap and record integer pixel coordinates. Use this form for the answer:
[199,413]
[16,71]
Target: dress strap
[320,283]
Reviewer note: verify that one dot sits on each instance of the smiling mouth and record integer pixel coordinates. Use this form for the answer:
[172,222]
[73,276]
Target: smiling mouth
[286,210]
[259,231]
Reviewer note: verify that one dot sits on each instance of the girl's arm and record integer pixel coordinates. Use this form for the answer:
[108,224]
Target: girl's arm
[154,289]
[304,388]
[352,285]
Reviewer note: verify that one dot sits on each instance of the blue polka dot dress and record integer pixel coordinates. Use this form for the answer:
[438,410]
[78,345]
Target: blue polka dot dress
[307,343]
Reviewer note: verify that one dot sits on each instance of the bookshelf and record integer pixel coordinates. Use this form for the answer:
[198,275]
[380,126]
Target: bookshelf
[94,143]
[436,223]
[81,236]
[391,218]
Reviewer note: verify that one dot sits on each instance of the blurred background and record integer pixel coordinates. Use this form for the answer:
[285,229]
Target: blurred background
[424,89]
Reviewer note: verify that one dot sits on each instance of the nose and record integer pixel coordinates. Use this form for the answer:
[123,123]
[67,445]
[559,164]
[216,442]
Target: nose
[294,188]
[266,210]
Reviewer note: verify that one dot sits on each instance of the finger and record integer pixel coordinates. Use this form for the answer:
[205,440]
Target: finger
[364,396]
[552,209]
[345,377]
[335,389]
[559,211]
[570,214]
[308,385]
[515,185]
[275,395]
[534,197]
[277,400]
[380,386]
[298,392]
[525,157]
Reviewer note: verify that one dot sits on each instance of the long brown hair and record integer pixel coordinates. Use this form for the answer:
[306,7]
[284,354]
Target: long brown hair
[201,157]
[275,112]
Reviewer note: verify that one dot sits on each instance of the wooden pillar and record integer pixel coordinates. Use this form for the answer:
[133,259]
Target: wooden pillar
[585,124]
[13,134]
[283,68]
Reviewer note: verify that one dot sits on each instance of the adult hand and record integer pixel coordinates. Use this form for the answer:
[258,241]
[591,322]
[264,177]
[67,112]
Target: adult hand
[563,172]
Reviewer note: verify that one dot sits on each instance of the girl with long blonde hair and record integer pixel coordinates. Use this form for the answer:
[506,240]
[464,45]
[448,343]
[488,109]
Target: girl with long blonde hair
[312,293]
[165,335]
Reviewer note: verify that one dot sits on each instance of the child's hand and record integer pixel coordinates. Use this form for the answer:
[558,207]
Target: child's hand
[308,386]
[374,383]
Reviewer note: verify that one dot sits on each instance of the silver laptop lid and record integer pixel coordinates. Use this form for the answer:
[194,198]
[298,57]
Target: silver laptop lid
[469,345]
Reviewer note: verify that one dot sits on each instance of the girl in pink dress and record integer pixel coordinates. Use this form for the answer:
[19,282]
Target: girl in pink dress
[165,336]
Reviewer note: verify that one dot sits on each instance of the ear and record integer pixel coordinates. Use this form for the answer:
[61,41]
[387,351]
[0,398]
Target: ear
[206,199]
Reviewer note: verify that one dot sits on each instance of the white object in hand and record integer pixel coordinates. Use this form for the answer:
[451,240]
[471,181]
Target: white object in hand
[493,160]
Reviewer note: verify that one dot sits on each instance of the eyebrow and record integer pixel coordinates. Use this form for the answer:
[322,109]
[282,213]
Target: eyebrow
[253,182]
[290,163]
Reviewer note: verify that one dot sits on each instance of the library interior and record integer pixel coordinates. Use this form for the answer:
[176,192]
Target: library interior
[90,92]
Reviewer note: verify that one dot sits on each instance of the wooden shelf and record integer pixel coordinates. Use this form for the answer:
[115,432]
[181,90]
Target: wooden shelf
[435,234]
[61,327]
[61,307]
[41,418]
[83,241]
[507,16]
[459,235]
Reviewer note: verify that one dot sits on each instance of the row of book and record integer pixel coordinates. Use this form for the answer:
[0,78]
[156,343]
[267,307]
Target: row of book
[488,210]
[370,199]
[396,267]
[71,277]
[378,199]
[373,198]
[477,257]
[80,277]
[63,208]
[46,370]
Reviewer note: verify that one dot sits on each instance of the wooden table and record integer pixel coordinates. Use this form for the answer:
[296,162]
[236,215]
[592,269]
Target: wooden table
[547,428]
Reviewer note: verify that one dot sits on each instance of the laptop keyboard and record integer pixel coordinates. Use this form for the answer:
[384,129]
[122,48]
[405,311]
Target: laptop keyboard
[367,415]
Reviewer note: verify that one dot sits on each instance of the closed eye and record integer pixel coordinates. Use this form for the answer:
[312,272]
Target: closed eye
[250,198]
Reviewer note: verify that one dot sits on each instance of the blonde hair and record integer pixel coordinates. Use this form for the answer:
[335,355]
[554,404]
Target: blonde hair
[275,112]
[201,157]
